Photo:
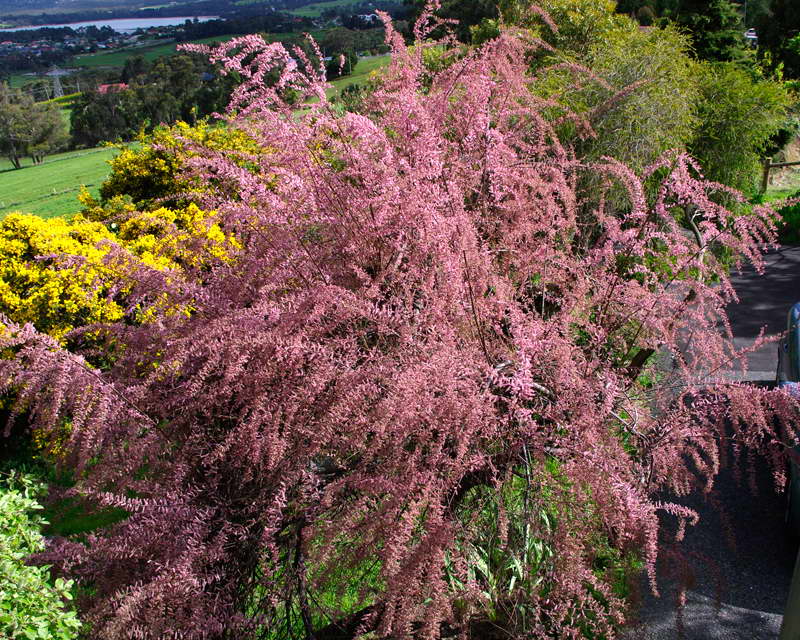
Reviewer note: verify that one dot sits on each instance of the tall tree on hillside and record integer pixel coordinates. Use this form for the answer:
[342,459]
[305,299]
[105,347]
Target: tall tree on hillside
[11,119]
[48,132]
[28,127]
[134,66]
[779,32]
[716,27]
[98,117]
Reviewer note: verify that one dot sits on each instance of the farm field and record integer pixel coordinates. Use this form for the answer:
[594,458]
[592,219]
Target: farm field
[364,67]
[315,10]
[118,58]
[51,189]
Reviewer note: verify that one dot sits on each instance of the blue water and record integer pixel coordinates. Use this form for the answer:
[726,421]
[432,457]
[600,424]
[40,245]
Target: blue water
[122,25]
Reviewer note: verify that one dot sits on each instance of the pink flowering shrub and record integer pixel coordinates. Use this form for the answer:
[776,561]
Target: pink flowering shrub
[430,329]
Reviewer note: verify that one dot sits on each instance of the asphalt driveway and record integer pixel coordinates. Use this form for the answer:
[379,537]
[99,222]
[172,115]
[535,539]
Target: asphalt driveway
[739,553]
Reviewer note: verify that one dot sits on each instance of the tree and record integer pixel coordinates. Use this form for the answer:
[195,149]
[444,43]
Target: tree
[135,66]
[581,24]
[716,28]
[341,64]
[178,87]
[644,104]
[29,128]
[48,132]
[338,40]
[738,116]
[98,117]
[12,121]
[414,397]
[779,33]
[468,13]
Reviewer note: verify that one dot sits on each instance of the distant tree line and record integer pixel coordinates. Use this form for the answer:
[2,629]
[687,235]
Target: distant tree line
[54,34]
[224,8]
[104,12]
[269,23]
[180,87]
[348,14]
[716,27]
[15,62]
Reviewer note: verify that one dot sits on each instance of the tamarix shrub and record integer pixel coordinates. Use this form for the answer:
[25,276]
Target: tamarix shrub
[432,325]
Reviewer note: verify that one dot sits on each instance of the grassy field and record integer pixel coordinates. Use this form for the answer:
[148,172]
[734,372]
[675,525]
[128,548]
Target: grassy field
[50,189]
[315,10]
[360,76]
[17,80]
[118,58]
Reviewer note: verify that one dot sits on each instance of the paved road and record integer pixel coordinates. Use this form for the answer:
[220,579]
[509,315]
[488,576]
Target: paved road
[742,580]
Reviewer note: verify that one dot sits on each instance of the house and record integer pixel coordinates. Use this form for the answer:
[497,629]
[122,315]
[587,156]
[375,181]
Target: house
[112,88]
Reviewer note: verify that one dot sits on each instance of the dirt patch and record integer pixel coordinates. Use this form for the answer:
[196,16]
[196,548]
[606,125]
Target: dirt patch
[787,177]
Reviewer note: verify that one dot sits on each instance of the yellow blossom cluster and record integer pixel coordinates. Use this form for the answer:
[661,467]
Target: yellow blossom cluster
[52,273]
[151,170]
[56,273]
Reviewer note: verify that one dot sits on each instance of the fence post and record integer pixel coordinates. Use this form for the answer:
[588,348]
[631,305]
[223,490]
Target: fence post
[765,176]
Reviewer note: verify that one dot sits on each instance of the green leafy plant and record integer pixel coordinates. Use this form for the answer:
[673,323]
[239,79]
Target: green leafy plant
[32,606]
[789,228]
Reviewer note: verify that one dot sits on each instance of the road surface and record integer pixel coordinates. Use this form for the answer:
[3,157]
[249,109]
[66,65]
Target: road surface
[742,579]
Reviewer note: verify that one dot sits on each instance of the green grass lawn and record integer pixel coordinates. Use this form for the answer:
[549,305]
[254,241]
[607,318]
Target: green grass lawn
[315,10]
[118,58]
[50,189]
[361,74]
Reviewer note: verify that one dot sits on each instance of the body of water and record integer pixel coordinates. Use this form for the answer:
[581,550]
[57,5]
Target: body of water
[122,25]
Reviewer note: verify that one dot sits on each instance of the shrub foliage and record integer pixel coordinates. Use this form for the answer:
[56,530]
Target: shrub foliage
[32,607]
[427,325]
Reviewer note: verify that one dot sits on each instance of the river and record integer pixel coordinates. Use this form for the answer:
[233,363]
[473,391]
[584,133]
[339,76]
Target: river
[121,25]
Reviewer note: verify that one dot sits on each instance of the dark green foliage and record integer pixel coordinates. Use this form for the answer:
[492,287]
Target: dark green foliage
[716,28]
[341,64]
[98,117]
[787,132]
[469,13]
[645,16]
[779,33]
[789,229]
[180,87]
[134,66]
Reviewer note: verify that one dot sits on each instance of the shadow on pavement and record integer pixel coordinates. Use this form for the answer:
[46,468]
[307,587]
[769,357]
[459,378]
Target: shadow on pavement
[741,557]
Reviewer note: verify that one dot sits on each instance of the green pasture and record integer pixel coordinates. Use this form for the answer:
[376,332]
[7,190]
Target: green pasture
[17,80]
[150,53]
[117,59]
[315,10]
[360,75]
[51,188]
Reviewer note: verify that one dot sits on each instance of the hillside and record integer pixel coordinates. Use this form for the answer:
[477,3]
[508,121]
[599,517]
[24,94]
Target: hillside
[50,189]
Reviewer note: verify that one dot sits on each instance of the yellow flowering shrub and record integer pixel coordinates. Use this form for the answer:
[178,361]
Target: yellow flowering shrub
[151,171]
[182,236]
[39,288]
[53,272]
